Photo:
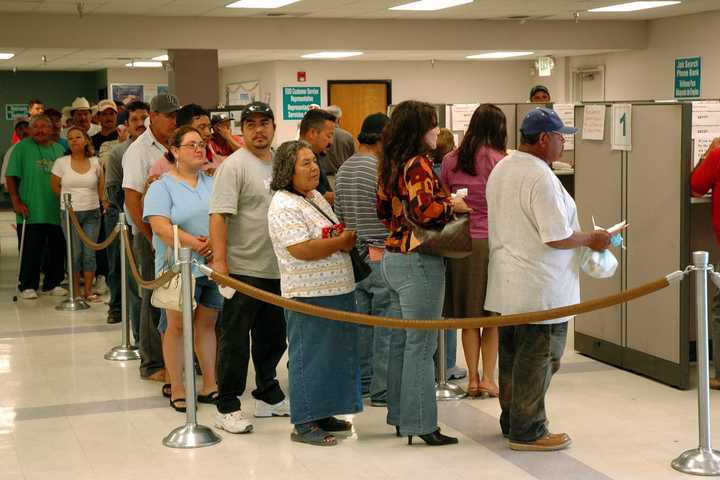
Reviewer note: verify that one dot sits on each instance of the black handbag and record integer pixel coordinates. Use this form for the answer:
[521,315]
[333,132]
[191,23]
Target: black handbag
[361,270]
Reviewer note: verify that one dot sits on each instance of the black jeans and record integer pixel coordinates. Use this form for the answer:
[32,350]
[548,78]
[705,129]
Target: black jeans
[151,357]
[44,250]
[113,258]
[243,317]
[529,356]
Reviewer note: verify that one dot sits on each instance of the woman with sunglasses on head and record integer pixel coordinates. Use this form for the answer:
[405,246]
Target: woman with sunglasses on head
[181,197]
[408,187]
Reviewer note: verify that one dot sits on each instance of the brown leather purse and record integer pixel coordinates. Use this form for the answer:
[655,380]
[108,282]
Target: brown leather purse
[453,240]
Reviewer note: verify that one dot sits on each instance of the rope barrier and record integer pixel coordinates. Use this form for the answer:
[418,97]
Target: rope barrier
[147,285]
[87,240]
[469,323]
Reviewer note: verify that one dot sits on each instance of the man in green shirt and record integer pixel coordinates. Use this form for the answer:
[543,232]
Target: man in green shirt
[28,183]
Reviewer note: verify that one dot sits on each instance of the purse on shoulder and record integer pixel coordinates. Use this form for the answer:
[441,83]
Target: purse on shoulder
[169,296]
[453,240]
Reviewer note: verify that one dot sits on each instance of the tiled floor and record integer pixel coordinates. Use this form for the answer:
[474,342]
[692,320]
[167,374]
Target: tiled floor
[66,413]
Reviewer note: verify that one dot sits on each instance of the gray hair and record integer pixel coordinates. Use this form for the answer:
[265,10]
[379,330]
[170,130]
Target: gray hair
[39,118]
[284,164]
[335,110]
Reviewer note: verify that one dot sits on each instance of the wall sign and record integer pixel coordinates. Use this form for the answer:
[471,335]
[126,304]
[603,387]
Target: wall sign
[593,122]
[297,101]
[621,138]
[14,110]
[688,73]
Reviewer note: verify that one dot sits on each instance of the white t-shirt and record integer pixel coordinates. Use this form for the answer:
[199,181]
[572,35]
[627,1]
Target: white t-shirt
[528,207]
[292,220]
[83,187]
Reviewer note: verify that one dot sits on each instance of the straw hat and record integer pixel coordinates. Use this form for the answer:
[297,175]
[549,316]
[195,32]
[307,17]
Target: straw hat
[80,103]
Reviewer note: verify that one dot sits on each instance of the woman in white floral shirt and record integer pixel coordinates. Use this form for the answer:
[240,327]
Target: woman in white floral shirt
[315,268]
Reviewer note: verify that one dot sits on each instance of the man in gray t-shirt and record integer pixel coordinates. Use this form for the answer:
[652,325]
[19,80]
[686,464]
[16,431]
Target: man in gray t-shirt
[241,248]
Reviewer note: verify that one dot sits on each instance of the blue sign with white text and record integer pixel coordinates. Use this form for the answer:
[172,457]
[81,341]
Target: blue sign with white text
[688,72]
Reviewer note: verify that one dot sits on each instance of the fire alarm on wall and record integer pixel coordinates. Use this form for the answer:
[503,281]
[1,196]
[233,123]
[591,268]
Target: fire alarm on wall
[301,77]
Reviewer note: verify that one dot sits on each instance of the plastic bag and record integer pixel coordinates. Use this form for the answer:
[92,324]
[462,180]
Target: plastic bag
[598,264]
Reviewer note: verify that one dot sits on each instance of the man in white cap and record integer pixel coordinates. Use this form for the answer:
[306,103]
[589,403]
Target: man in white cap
[107,114]
[81,114]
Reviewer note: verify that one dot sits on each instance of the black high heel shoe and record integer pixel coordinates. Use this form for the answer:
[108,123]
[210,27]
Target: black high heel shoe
[397,431]
[435,439]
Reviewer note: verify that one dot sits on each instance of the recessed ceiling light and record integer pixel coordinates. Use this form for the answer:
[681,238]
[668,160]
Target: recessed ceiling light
[494,55]
[6,56]
[144,64]
[332,54]
[260,3]
[430,5]
[634,6]
[161,58]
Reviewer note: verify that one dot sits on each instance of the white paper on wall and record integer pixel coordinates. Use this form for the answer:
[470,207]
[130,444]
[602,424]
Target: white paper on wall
[566,112]
[593,122]
[461,114]
[621,135]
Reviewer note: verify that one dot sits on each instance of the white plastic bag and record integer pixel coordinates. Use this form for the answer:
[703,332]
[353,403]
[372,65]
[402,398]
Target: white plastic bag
[598,264]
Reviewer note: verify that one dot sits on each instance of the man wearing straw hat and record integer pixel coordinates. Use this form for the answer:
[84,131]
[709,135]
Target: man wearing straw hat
[81,114]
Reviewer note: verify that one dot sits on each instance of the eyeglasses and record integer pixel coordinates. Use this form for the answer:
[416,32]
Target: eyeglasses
[195,145]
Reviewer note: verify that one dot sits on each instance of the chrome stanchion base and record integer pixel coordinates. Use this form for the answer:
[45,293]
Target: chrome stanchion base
[71,305]
[448,391]
[191,436]
[698,461]
[122,353]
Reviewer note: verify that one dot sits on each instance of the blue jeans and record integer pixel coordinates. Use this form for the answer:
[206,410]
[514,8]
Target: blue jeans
[372,297]
[83,256]
[113,256]
[417,288]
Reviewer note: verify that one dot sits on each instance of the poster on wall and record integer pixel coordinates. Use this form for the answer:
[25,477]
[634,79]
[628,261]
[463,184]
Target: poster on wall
[15,110]
[460,115]
[705,127]
[566,112]
[621,136]
[688,74]
[121,92]
[297,101]
[242,93]
[593,122]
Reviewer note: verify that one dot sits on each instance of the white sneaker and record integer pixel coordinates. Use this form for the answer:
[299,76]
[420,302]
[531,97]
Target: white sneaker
[29,294]
[58,292]
[235,422]
[264,409]
[100,286]
[456,373]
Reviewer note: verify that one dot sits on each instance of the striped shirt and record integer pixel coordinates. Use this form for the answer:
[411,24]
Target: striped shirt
[355,198]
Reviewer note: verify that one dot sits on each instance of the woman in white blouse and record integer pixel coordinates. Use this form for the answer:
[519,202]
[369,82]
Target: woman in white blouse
[315,268]
[81,175]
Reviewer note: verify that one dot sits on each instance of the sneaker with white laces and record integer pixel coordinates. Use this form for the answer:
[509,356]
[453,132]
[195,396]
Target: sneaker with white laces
[233,422]
[456,373]
[265,410]
[100,286]
[29,294]
[58,292]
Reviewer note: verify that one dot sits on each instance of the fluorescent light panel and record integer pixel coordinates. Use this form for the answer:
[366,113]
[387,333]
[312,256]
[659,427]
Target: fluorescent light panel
[260,3]
[430,5]
[144,64]
[496,55]
[6,56]
[634,6]
[161,58]
[332,54]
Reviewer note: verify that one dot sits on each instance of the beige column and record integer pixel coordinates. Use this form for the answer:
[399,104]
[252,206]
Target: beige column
[194,76]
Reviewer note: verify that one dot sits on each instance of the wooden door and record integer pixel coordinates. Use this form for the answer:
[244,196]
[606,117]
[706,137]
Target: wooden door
[358,99]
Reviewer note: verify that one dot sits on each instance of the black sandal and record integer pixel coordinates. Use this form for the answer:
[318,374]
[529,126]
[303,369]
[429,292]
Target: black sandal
[313,435]
[210,398]
[332,424]
[179,408]
[167,390]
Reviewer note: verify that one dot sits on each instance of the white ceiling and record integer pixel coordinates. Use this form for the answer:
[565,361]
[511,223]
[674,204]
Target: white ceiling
[479,9]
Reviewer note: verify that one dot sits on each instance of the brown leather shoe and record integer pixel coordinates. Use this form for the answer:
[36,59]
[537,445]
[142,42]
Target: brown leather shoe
[715,383]
[548,443]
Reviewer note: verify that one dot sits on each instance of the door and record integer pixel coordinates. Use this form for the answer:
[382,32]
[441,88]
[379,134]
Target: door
[358,99]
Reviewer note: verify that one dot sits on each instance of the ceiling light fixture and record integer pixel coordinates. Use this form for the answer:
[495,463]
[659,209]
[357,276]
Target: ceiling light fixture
[496,55]
[161,58]
[144,64]
[430,5]
[634,6]
[327,55]
[264,4]
[6,56]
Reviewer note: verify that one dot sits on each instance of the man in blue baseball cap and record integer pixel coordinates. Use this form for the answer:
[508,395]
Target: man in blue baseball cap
[534,238]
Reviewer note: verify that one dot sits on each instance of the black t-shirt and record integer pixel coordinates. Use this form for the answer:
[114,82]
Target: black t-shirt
[98,139]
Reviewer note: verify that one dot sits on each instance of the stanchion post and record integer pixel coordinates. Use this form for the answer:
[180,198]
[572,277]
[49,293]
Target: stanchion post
[125,351]
[190,435]
[72,303]
[702,460]
[445,390]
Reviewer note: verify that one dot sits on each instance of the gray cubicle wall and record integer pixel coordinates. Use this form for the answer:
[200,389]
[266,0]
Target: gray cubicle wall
[648,187]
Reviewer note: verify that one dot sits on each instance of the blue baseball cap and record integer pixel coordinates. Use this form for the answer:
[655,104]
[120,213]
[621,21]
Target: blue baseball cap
[544,120]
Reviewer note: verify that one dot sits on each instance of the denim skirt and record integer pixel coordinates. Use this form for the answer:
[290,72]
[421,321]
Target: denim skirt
[324,369]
